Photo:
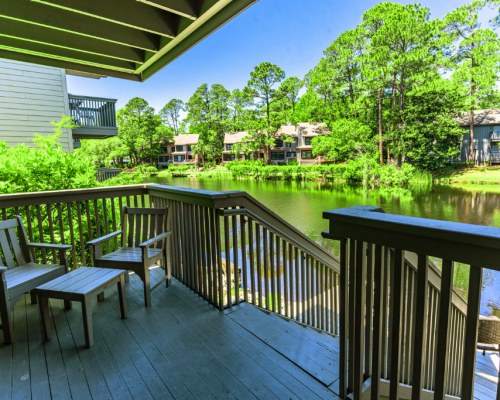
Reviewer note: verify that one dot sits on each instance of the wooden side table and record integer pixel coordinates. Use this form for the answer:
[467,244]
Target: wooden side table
[81,285]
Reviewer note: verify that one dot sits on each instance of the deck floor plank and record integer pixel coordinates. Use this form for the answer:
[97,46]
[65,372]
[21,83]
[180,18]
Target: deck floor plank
[40,387]
[93,373]
[315,352]
[21,387]
[291,380]
[69,350]
[180,347]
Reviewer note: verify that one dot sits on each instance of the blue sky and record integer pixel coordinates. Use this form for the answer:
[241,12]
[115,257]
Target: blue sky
[289,33]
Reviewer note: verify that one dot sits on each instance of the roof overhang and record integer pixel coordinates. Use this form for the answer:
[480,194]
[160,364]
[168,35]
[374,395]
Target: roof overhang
[130,39]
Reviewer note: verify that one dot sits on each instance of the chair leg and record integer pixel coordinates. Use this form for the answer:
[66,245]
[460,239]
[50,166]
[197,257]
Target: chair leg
[147,288]
[8,331]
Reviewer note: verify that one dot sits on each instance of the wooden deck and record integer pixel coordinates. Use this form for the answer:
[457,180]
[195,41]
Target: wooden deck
[181,348]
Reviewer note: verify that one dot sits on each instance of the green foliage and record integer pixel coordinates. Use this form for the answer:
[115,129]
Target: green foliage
[171,116]
[104,152]
[349,139]
[45,166]
[140,130]
[209,116]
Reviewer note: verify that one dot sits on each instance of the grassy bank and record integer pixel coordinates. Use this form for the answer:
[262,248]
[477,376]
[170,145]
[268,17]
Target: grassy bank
[360,172]
[470,176]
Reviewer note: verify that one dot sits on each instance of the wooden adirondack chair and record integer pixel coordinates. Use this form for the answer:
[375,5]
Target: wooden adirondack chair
[19,273]
[143,245]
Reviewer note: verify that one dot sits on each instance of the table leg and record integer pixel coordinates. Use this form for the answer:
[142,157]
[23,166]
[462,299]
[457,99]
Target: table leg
[44,316]
[122,296]
[87,321]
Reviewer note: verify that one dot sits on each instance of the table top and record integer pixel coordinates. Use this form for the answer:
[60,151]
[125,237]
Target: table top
[82,280]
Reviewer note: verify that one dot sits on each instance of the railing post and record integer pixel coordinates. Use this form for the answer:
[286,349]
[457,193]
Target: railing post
[469,361]
[444,319]
[420,324]
[343,305]
[395,321]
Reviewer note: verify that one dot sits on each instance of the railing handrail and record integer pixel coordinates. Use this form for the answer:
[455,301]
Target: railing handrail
[330,261]
[242,199]
[435,281]
[63,196]
[419,235]
[103,99]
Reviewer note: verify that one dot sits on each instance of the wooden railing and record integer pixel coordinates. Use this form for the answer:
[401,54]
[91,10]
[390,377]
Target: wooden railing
[92,111]
[229,248]
[226,246]
[103,174]
[402,329]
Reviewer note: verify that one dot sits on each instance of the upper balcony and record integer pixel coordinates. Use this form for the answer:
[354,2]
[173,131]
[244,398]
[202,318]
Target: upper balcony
[95,117]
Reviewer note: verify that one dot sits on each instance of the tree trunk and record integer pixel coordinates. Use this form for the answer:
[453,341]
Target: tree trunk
[380,133]
[472,156]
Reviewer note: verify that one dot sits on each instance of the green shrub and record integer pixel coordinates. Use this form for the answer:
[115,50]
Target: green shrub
[45,166]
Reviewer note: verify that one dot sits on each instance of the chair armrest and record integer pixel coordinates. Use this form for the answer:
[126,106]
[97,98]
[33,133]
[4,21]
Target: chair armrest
[2,270]
[155,239]
[104,238]
[50,246]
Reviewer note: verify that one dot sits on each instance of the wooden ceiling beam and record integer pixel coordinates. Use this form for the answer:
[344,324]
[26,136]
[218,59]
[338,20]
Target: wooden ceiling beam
[94,70]
[67,40]
[130,13]
[8,43]
[184,8]
[50,17]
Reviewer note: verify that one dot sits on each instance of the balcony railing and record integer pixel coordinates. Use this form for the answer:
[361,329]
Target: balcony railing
[226,246]
[403,332]
[390,307]
[94,116]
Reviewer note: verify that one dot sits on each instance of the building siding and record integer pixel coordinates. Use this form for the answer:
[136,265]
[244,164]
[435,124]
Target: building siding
[31,97]
[482,146]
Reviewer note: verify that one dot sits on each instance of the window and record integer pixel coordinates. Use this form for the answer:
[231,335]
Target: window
[179,158]
[291,154]
[307,141]
[173,149]
[163,159]
[179,148]
[289,144]
[229,147]
[188,147]
[190,157]
[164,149]
[278,156]
[228,157]
[278,143]
[248,156]
[306,155]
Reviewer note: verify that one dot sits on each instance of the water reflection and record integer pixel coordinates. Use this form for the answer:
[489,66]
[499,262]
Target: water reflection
[302,204]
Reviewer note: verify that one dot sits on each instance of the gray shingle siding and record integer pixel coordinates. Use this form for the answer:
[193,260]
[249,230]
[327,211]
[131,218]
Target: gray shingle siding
[31,96]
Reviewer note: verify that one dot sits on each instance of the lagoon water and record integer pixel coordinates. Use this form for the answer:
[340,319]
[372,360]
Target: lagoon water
[302,204]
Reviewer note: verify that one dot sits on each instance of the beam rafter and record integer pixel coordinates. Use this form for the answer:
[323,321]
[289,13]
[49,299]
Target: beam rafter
[130,39]
[184,8]
[50,51]
[68,40]
[34,13]
[65,64]
[129,13]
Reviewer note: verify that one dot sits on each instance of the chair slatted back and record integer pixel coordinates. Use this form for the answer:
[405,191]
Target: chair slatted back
[13,243]
[141,224]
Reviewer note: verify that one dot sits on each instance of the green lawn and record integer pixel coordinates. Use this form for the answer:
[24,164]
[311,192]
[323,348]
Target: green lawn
[471,176]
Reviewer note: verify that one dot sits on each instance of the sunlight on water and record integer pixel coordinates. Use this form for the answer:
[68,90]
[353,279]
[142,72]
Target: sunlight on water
[302,204]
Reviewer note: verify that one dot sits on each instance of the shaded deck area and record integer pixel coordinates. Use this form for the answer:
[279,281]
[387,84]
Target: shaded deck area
[181,348]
